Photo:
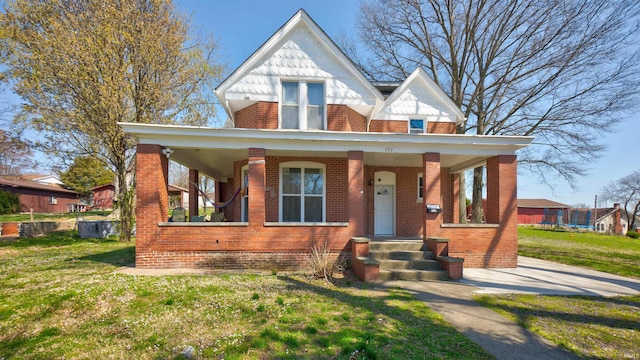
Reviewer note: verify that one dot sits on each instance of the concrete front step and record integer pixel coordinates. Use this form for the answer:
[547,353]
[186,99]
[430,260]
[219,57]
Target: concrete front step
[401,255]
[409,264]
[395,245]
[412,275]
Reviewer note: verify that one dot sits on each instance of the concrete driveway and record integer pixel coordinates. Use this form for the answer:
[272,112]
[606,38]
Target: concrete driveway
[533,276]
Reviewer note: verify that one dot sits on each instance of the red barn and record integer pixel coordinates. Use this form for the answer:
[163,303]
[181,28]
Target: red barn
[532,211]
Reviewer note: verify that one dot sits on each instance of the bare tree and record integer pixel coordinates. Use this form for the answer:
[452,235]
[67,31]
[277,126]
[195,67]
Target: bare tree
[626,190]
[15,157]
[82,66]
[564,71]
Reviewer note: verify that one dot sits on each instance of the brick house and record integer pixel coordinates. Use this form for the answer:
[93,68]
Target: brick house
[41,197]
[313,152]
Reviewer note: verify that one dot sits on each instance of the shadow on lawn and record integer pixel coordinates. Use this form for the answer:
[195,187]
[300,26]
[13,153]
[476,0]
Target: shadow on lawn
[381,327]
[57,238]
[119,257]
[523,313]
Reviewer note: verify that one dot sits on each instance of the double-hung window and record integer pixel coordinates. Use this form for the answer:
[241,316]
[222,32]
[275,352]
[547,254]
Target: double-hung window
[416,126]
[302,192]
[302,105]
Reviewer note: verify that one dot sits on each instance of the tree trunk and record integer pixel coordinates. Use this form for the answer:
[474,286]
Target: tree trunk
[125,202]
[476,211]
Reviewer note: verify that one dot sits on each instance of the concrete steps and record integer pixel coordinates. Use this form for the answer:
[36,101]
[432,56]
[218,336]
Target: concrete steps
[405,260]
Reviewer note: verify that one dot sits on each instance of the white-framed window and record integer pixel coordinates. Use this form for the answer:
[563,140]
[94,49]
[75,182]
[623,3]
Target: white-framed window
[245,194]
[417,126]
[53,200]
[420,184]
[302,192]
[302,106]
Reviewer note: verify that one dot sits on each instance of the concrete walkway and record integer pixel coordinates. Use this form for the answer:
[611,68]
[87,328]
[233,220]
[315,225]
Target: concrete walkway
[501,337]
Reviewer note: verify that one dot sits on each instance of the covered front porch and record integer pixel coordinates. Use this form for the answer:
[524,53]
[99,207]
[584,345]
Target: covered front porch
[352,168]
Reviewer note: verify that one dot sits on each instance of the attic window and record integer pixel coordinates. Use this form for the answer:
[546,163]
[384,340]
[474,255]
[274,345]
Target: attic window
[416,126]
[302,105]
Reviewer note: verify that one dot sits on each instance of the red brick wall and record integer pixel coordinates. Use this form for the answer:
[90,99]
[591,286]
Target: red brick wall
[441,127]
[343,118]
[261,115]
[356,193]
[152,197]
[238,247]
[401,126]
[390,126]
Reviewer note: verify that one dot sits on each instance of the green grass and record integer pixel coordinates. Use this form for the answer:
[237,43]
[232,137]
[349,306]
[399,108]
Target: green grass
[22,217]
[61,296]
[613,254]
[591,327]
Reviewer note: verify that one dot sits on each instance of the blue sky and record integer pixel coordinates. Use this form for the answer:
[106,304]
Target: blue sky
[242,26]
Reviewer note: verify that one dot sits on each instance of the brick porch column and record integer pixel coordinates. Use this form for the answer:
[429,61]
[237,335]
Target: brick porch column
[256,187]
[194,181]
[431,194]
[356,193]
[152,196]
[447,195]
[502,196]
[455,201]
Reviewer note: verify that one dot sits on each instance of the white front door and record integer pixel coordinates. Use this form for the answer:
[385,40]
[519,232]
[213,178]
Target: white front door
[383,209]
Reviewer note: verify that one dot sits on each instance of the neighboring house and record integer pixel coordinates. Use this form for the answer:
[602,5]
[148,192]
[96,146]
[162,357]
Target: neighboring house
[178,197]
[40,197]
[542,211]
[315,153]
[612,220]
[104,196]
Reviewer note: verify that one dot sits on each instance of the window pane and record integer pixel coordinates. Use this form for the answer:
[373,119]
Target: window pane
[313,209]
[290,117]
[315,94]
[291,180]
[313,181]
[315,117]
[290,93]
[291,208]
[416,126]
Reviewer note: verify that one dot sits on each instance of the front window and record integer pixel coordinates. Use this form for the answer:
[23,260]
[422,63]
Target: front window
[302,193]
[53,200]
[420,186]
[416,126]
[302,105]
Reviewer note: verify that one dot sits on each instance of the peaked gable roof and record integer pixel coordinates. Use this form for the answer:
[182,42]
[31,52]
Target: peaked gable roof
[418,95]
[299,49]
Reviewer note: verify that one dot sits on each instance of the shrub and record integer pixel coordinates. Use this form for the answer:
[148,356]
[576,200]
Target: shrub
[9,202]
[322,263]
[633,234]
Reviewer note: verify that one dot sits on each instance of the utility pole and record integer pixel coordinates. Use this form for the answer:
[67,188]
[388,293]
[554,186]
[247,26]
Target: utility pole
[595,212]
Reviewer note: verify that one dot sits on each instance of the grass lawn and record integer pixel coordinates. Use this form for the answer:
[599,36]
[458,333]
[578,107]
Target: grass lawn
[592,327]
[61,296]
[613,254]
